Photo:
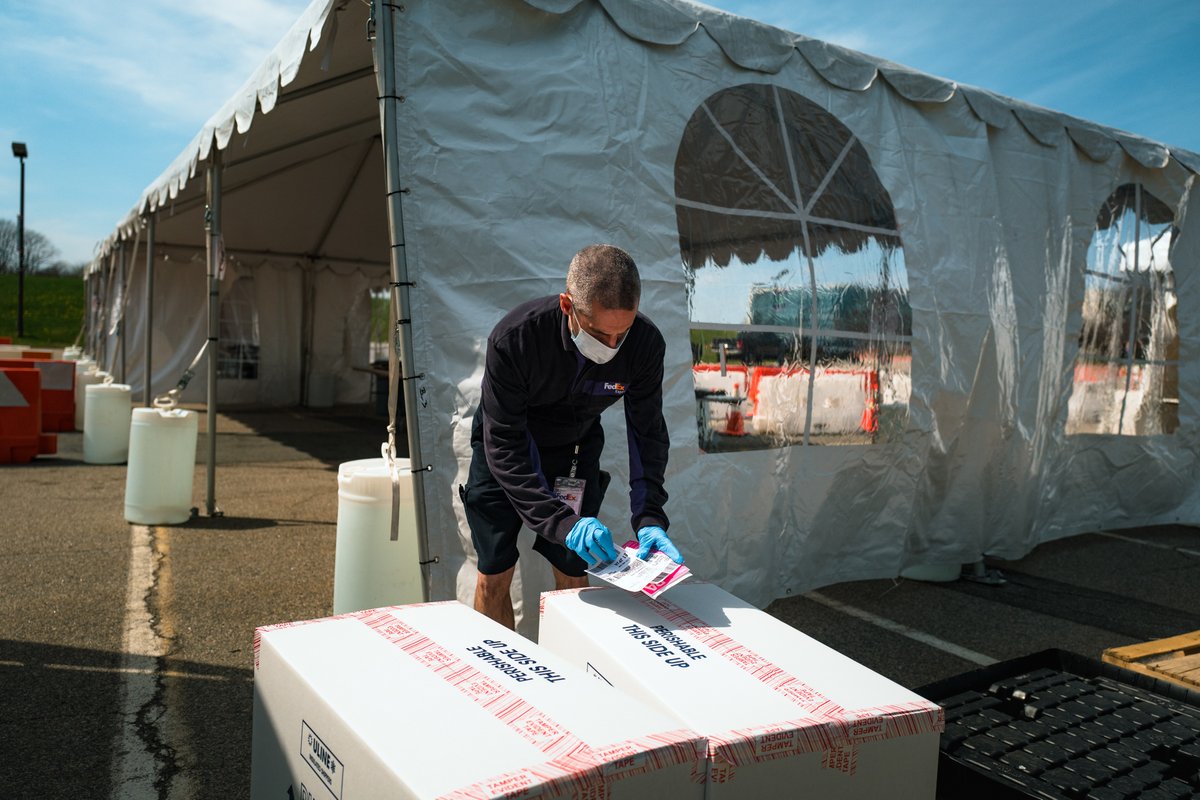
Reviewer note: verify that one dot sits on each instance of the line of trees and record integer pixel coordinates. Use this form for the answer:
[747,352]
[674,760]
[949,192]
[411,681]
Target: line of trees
[41,255]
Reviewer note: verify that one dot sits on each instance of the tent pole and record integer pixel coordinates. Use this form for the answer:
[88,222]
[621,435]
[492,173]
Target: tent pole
[212,226]
[101,330]
[147,395]
[306,329]
[106,288]
[90,314]
[389,109]
[122,258]
[87,311]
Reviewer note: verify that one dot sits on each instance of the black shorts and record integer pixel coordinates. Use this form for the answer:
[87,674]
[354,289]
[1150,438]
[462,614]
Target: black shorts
[495,523]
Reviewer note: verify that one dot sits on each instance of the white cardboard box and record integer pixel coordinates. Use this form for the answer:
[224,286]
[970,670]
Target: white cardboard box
[437,701]
[784,715]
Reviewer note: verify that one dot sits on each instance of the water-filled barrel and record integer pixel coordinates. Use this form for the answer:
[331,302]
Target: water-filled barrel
[85,376]
[162,461]
[369,568]
[107,411]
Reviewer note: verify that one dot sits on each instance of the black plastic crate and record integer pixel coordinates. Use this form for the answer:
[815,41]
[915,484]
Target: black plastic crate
[1056,725]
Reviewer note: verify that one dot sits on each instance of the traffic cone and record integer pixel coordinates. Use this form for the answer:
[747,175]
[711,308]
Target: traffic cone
[735,424]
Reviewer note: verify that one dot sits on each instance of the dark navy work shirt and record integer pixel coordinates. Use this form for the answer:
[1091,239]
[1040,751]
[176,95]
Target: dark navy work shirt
[538,391]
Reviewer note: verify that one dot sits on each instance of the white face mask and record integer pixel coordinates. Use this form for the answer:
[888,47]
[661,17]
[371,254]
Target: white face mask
[592,348]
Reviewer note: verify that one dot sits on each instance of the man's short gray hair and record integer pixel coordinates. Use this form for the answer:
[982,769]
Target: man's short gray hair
[603,275]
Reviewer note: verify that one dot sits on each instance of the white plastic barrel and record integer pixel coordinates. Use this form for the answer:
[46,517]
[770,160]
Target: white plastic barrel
[162,460]
[107,412]
[72,353]
[85,376]
[369,569]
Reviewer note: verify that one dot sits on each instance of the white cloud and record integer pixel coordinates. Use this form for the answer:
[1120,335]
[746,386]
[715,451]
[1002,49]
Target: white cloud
[177,62]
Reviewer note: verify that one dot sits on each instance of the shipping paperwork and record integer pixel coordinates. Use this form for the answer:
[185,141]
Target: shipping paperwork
[784,715]
[438,701]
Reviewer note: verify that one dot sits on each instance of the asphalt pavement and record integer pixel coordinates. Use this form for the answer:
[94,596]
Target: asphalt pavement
[119,686]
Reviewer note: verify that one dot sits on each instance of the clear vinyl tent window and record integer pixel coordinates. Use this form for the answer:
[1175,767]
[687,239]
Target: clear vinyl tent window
[380,324]
[801,327]
[237,356]
[1126,376]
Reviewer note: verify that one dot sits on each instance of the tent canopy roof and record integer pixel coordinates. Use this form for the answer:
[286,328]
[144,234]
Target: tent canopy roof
[325,136]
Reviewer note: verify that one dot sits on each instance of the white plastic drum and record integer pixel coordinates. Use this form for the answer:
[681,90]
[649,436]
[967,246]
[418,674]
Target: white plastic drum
[107,412]
[162,461]
[85,375]
[371,570]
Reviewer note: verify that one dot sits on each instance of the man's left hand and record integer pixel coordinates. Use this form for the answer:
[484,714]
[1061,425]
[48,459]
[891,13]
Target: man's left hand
[653,537]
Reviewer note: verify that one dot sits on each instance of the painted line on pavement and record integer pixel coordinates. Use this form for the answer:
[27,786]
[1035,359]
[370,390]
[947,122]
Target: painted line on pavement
[137,671]
[1157,545]
[896,627]
[134,767]
[150,744]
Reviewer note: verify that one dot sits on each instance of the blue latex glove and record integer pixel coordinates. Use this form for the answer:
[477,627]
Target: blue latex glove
[653,537]
[592,541]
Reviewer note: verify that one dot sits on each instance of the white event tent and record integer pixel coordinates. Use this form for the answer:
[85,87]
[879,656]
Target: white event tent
[905,319]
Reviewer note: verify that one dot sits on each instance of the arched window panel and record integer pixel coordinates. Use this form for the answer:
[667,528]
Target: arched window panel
[1126,377]
[797,287]
[380,324]
[237,357]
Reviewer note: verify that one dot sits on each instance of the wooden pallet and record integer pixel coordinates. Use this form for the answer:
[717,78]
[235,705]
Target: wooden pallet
[1176,659]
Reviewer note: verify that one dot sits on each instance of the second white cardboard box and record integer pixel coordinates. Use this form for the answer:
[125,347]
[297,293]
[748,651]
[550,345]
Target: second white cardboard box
[437,701]
[784,715]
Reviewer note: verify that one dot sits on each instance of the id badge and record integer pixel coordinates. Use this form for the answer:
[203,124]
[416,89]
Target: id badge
[570,491]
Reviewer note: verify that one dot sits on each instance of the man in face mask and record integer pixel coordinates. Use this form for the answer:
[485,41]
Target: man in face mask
[552,366]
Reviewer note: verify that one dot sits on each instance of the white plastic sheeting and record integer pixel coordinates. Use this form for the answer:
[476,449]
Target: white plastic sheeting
[529,130]
[515,163]
[272,373]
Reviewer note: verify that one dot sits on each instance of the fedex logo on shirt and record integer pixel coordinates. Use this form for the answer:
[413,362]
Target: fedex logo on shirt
[611,388]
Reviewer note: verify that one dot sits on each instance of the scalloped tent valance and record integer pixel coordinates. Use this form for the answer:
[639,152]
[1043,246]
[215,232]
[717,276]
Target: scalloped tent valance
[668,23]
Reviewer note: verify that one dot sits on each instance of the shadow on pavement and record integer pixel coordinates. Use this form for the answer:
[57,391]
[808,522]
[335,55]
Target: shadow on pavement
[63,718]
[330,435]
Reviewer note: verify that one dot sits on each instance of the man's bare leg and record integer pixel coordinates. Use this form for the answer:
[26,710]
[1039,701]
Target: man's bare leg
[564,581]
[492,598]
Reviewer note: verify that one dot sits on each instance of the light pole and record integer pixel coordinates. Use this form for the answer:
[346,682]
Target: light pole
[21,151]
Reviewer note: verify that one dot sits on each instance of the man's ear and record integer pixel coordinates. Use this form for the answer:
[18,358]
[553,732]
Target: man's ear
[564,302]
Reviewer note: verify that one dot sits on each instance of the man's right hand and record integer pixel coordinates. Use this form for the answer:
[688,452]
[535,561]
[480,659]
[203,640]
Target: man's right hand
[592,541]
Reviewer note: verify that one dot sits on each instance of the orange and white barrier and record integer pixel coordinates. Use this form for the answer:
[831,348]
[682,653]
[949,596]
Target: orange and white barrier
[21,437]
[842,401]
[708,377]
[58,390]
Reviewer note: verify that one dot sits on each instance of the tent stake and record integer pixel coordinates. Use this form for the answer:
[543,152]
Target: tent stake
[385,76]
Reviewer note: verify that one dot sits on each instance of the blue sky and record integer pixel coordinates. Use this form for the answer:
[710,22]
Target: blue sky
[107,93]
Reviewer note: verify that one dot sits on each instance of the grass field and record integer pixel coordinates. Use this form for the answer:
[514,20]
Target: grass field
[53,309]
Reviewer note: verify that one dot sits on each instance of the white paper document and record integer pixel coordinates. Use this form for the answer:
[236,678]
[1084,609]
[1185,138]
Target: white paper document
[653,576]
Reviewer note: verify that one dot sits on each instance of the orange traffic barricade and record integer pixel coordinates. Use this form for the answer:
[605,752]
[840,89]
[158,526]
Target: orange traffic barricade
[20,415]
[40,355]
[58,391]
